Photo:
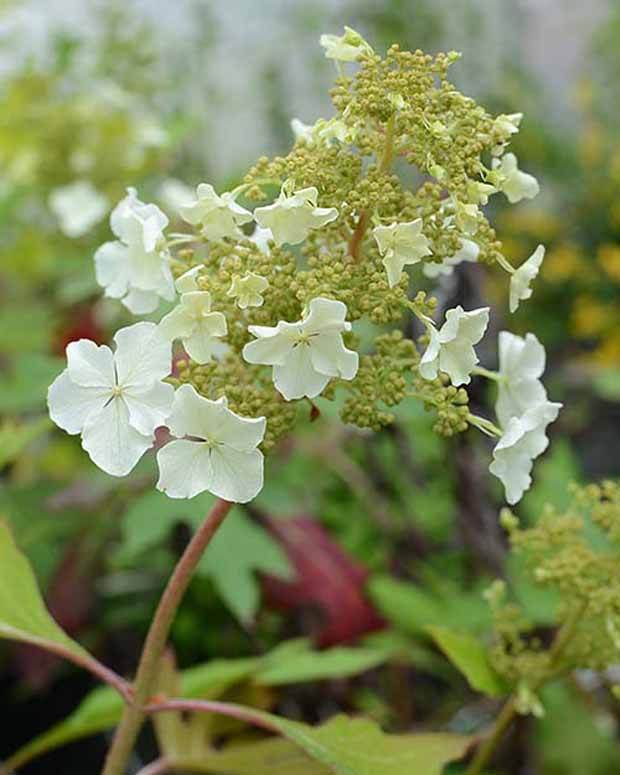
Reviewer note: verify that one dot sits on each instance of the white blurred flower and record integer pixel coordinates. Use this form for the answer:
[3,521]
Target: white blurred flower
[401,244]
[135,268]
[174,194]
[468,251]
[294,214]
[302,131]
[523,440]
[218,216]
[345,48]
[221,456]
[509,179]
[115,400]
[78,206]
[451,348]
[522,277]
[195,325]
[306,354]
[248,290]
[479,192]
[521,365]
[323,131]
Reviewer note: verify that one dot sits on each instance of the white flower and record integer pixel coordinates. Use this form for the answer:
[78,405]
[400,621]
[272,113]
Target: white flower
[188,281]
[306,354]
[521,365]
[221,456]
[302,131]
[451,347]
[134,268]
[522,277]
[293,214]
[508,123]
[467,252]
[509,179]
[345,48]
[400,244]
[174,194]
[219,216]
[523,440]
[466,216]
[261,238]
[248,290]
[194,324]
[479,192]
[77,206]
[115,400]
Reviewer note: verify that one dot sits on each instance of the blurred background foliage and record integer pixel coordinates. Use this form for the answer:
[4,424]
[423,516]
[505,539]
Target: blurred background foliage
[357,542]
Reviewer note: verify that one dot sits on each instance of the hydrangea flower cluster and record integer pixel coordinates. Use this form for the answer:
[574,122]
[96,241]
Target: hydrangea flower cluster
[270,280]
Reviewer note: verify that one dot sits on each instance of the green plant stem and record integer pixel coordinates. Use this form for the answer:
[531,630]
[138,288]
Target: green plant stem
[134,715]
[385,163]
[509,711]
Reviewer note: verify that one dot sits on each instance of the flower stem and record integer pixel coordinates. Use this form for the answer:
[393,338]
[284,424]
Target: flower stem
[482,372]
[509,711]
[384,165]
[134,715]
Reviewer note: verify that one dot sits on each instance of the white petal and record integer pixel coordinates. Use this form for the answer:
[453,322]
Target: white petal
[394,266]
[330,356]
[296,377]
[70,405]
[141,302]
[111,268]
[149,407]
[111,442]
[200,346]
[325,314]
[271,348]
[185,468]
[195,415]
[90,364]
[429,363]
[143,355]
[237,476]
[176,324]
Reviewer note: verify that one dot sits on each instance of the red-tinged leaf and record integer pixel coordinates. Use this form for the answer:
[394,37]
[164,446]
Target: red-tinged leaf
[326,579]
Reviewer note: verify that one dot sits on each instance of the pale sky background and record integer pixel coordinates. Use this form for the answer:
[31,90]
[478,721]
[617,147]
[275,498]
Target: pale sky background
[223,81]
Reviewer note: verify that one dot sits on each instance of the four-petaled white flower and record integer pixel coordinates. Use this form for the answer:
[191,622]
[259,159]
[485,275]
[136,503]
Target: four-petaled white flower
[345,48]
[509,179]
[306,354]
[294,214]
[521,365]
[522,277]
[115,400]
[248,290]
[451,348]
[78,206]
[219,216]
[468,251]
[135,268]
[401,244]
[523,440]
[193,323]
[220,455]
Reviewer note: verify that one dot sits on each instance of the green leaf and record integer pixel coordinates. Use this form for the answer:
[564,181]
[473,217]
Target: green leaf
[606,382]
[240,549]
[16,436]
[275,756]
[412,609]
[469,655]
[282,666]
[23,615]
[26,387]
[358,747]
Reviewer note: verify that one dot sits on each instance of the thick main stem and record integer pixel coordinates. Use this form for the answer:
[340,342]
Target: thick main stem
[509,711]
[133,717]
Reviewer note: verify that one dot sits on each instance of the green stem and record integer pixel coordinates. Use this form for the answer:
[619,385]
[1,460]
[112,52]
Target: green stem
[482,372]
[384,165]
[509,711]
[134,715]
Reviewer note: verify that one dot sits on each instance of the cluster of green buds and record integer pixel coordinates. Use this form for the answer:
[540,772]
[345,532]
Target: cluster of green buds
[573,558]
[278,282]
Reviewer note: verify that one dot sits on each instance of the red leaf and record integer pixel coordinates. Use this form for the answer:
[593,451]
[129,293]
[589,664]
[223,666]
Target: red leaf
[327,580]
